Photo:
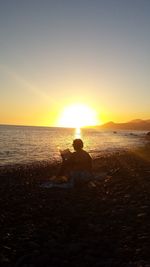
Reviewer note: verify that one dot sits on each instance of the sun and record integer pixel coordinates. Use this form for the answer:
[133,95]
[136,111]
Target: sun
[78,115]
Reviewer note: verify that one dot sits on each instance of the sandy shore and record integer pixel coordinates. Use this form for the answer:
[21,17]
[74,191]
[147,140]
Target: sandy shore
[103,223]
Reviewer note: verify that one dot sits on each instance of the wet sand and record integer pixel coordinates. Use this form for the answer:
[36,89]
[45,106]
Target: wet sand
[102,223]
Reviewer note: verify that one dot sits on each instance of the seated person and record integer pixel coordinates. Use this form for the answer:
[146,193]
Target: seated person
[76,165]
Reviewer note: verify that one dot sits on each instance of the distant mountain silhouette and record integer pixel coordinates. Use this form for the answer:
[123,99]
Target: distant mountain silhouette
[137,124]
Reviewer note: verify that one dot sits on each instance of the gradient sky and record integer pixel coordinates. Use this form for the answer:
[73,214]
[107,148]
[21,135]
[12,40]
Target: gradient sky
[60,52]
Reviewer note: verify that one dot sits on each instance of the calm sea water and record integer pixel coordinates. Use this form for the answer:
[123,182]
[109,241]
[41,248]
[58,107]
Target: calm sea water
[22,144]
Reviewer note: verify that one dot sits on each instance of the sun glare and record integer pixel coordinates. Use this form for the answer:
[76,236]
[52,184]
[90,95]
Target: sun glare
[78,115]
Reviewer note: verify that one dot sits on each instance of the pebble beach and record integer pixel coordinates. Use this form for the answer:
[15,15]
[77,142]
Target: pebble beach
[102,223]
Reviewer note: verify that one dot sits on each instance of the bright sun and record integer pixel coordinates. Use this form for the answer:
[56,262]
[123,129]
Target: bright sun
[78,115]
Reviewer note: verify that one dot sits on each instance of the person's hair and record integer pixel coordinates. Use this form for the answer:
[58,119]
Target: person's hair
[77,144]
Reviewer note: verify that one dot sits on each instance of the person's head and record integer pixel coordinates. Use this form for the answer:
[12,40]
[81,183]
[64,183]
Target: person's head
[77,144]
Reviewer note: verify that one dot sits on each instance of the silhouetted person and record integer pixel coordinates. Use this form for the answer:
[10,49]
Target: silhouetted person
[76,165]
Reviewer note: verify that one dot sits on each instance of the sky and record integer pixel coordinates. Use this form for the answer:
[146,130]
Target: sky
[56,53]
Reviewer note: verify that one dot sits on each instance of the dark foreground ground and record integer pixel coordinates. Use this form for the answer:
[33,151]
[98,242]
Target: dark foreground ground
[103,223]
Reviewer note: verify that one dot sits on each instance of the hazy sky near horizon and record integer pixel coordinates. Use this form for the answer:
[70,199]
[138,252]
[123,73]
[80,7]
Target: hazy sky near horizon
[54,53]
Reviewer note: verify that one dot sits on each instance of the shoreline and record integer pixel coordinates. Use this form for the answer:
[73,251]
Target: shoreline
[29,153]
[49,168]
[98,154]
[104,223]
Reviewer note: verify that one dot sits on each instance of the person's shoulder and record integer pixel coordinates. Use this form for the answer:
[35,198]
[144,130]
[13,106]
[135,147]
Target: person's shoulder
[86,153]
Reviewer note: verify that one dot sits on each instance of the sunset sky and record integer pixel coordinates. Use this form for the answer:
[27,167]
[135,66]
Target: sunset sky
[59,53]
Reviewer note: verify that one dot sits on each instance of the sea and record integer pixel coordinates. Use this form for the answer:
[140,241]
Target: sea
[28,144]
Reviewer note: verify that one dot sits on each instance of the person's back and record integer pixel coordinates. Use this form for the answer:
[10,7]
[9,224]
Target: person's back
[78,165]
[81,161]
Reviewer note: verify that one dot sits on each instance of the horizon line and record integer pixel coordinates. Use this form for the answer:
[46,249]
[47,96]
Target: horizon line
[48,126]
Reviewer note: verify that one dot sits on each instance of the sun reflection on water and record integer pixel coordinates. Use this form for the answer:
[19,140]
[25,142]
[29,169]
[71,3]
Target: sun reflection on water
[77,133]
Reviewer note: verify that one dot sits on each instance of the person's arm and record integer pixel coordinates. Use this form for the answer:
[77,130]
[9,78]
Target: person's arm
[65,154]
